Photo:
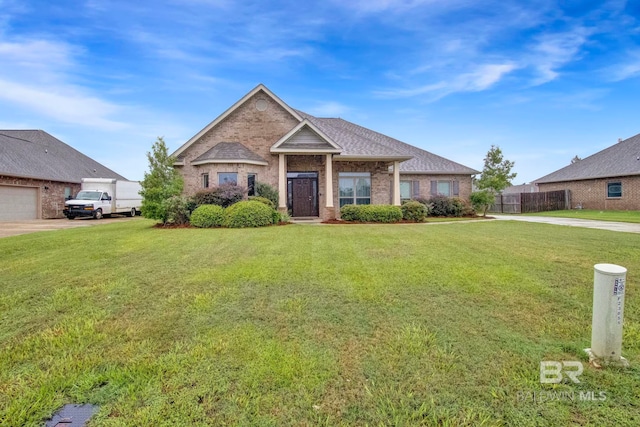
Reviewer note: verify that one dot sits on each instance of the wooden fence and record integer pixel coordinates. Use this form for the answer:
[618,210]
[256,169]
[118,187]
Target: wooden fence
[532,202]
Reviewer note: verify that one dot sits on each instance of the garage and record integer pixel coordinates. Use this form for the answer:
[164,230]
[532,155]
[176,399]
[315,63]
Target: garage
[18,203]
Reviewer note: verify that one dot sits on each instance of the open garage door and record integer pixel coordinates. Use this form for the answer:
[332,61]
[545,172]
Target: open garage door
[18,203]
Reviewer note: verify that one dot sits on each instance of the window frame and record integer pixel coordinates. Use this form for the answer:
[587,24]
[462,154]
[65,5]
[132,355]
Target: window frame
[251,189]
[205,180]
[354,199]
[410,183]
[611,184]
[221,174]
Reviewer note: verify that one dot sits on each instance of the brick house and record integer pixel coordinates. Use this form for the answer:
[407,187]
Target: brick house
[609,179]
[38,172]
[317,164]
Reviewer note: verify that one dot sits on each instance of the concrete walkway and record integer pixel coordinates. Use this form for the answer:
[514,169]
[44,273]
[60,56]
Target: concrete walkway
[626,227]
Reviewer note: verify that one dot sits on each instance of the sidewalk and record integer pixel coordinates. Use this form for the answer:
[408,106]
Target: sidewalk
[626,227]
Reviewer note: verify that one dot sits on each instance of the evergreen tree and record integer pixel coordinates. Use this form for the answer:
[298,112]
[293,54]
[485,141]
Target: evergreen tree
[160,183]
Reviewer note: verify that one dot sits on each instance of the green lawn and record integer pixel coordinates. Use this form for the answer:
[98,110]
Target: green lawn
[441,325]
[621,216]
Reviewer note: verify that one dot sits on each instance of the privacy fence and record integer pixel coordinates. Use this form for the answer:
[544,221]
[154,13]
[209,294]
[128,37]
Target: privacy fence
[532,202]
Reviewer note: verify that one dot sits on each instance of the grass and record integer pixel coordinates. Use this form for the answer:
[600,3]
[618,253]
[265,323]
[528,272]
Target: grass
[310,325]
[620,216]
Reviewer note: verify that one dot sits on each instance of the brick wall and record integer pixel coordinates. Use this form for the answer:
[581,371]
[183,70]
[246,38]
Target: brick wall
[592,193]
[256,130]
[464,183]
[51,199]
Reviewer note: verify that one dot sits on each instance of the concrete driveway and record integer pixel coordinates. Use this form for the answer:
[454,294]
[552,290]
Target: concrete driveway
[626,227]
[14,228]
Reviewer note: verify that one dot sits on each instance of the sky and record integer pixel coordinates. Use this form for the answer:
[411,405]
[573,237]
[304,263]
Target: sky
[545,81]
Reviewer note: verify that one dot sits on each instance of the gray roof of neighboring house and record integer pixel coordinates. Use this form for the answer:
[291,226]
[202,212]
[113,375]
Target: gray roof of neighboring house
[36,154]
[229,151]
[356,140]
[621,159]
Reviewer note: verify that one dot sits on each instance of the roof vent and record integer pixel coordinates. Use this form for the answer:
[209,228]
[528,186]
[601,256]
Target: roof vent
[261,105]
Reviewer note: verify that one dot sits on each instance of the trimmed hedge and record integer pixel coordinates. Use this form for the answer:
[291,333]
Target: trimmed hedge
[371,213]
[206,216]
[414,211]
[248,214]
[263,200]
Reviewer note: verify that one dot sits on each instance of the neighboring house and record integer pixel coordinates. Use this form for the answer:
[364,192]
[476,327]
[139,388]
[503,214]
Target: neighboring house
[38,172]
[317,164]
[522,188]
[609,179]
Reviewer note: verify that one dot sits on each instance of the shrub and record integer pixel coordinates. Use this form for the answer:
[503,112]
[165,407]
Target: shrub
[206,216]
[248,214]
[176,209]
[414,211]
[263,200]
[285,218]
[482,200]
[445,206]
[268,192]
[371,213]
[223,195]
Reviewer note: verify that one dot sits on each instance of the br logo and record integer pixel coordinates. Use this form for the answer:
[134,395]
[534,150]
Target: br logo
[552,372]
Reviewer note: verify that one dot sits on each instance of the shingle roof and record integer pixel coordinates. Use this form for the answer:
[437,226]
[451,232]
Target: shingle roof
[357,140]
[36,154]
[229,151]
[621,159]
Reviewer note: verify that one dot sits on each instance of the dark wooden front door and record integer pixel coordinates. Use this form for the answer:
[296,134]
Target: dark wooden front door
[304,197]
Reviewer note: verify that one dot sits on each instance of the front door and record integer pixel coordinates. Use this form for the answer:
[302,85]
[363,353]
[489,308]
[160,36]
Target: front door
[304,197]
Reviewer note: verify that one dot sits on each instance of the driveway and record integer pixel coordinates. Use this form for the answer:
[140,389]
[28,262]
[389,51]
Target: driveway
[13,228]
[626,227]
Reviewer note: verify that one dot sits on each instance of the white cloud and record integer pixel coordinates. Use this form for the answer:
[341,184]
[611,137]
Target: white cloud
[64,103]
[482,78]
[627,69]
[553,51]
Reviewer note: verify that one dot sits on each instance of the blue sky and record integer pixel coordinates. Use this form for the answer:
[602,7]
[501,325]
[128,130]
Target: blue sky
[544,80]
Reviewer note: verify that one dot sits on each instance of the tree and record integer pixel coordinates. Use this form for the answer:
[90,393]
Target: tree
[496,175]
[481,200]
[576,159]
[159,184]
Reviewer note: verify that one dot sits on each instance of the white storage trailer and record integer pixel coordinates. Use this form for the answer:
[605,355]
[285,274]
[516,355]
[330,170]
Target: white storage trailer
[105,196]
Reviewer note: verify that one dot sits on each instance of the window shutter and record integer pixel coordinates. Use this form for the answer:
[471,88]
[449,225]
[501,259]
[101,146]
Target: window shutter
[434,188]
[456,188]
[416,189]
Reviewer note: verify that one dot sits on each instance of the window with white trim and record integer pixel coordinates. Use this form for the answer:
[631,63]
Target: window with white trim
[354,188]
[448,188]
[205,180]
[406,187]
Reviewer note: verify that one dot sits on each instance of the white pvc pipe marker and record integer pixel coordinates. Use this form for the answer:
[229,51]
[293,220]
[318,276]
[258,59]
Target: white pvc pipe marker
[608,313]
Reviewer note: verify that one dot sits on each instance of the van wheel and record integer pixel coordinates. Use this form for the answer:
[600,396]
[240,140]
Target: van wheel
[132,213]
[97,214]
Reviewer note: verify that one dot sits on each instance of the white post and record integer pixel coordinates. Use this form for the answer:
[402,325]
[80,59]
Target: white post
[329,181]
[608,314]
[282,181]
[396,183]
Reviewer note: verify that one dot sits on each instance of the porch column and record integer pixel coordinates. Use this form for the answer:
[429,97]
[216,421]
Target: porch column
[396,183]
[329,181]
[282,181]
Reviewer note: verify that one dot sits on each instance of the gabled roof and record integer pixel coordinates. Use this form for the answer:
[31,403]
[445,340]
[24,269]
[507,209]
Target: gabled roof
[229,152]
[221,117]
[305,137]
[346,140]
[621,159]
[358,141]
[36,154]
